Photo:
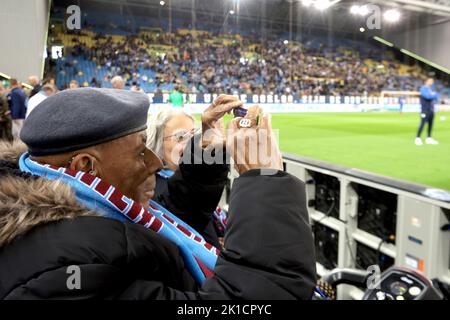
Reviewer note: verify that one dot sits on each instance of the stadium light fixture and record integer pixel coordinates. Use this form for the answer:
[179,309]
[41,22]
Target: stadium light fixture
[231,12]
[354,9]
[322,4]
[362,29]
[318,4]
[363,11]
[392,15]
[5,76]
[162,3]
[426,61]
[389,44]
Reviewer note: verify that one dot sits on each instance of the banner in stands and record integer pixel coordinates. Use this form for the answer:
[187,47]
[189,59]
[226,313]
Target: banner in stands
[196,103]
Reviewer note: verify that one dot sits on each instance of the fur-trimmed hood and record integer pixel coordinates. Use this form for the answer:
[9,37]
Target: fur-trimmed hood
[28,201]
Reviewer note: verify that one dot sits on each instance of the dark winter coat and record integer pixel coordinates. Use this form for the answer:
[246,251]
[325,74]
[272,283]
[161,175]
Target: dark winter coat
[45,234]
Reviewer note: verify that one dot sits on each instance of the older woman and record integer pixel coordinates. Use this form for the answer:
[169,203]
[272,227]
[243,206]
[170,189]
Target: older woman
[168,133]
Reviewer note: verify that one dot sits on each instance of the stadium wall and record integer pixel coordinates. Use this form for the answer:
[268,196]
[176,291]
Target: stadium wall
[360,219]
[24,26]
[198,108]
[376,220]
[277,99]
[197,103]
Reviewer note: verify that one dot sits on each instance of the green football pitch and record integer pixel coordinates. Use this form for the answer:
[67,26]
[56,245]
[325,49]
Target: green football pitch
[381,143]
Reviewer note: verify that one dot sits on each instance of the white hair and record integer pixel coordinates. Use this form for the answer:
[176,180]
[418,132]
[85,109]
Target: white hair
[156,126]
[33,80]
[118,82]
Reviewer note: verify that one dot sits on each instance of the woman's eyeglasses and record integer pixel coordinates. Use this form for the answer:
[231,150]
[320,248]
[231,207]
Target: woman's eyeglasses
[182,135]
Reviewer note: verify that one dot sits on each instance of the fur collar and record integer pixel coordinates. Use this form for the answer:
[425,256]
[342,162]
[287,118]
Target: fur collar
[27,201]
[11,151]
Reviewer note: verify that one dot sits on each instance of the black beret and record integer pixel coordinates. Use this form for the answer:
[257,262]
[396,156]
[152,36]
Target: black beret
[79,118]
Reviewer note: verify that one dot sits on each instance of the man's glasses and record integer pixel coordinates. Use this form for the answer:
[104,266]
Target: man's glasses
[182,135]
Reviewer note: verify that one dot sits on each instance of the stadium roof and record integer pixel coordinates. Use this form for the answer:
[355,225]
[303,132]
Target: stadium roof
[435,7]
[287,15]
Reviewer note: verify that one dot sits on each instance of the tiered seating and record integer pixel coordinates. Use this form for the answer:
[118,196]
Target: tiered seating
[338,59]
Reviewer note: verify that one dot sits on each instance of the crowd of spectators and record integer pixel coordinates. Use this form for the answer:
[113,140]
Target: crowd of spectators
[17,101]
[123,58]
[279,68]
[203,63]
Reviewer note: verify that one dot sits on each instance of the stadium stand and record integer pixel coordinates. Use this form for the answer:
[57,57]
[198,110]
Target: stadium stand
[202,61]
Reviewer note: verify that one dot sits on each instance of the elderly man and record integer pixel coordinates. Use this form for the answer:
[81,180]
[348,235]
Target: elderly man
[76,219]
[35,83]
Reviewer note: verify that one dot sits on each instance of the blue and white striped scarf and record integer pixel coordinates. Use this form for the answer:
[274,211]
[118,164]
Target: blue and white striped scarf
[199,256]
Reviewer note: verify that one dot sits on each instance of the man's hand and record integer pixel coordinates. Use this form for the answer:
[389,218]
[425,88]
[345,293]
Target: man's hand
[253,147]
[212,120]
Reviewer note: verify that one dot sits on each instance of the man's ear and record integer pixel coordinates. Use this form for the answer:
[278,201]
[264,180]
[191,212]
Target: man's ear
[84,162]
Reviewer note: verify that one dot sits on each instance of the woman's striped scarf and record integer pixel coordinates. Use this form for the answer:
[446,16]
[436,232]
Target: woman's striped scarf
[199,256]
